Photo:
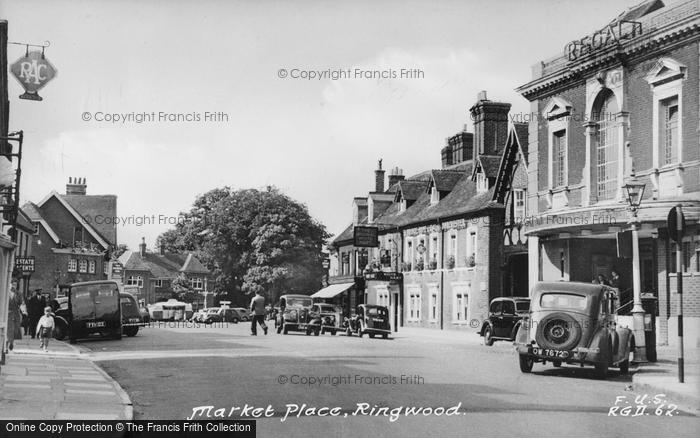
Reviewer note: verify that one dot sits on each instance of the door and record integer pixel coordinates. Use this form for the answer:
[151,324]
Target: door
[507,319]
[496,316]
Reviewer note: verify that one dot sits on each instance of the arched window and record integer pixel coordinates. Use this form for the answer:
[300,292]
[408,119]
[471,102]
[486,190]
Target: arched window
[605,112]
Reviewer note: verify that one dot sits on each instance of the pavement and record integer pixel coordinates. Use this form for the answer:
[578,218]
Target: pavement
[661,377]
[60,384]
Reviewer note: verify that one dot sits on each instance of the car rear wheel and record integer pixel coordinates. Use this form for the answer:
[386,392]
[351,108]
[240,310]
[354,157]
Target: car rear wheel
[488,336]
[235,320]
[360,330]
[285,330]
[385,336]
[371,335]
[601,368]
[131,331]
[526,363]
[317,332]
[333,332]
[59,332]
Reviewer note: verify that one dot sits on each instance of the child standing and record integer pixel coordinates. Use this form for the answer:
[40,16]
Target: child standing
[45,328]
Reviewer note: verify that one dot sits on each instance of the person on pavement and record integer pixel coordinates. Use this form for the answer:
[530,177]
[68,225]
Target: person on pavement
[35,308]
[44,328]
[14,320]
[257,309]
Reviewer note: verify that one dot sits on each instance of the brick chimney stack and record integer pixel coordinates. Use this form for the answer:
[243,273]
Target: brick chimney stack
[76,186]
[142,247]
[490,125]
[395,176]
[379,178]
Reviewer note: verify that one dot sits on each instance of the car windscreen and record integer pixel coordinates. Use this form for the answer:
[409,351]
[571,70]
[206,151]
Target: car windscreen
[376,311]
[299,302]
[563,301]
[522,306]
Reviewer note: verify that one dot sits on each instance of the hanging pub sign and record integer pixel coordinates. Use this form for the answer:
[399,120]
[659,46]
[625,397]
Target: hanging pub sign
[33,71]
[366,237]
[24,264]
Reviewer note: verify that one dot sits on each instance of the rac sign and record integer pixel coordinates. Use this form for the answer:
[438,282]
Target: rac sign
[33,72]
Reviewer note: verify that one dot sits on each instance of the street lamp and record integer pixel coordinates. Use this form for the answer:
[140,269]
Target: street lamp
[635,192]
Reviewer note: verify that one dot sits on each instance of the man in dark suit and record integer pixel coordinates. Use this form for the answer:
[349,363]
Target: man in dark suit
[35,309]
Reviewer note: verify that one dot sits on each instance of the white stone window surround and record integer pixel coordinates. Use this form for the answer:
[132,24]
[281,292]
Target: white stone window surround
[434,296]
[434,248]
[414,301]
[472,247]
[666,81]
[612,80]
[461,289]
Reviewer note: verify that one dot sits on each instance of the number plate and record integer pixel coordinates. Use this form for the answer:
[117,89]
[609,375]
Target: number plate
[95,324]
[548,352]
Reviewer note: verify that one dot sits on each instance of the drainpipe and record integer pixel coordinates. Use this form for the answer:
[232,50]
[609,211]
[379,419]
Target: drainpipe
[442,275]
[399,260]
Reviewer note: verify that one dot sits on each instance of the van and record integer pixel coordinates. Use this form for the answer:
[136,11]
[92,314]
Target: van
[94,308]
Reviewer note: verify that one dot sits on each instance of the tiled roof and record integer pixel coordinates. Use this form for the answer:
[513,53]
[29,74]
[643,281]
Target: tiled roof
[462,200]
[445,180]
[412,189]
[346,234]
[32,211]
[464,166]
[168,265]
[489,164]
[91,206]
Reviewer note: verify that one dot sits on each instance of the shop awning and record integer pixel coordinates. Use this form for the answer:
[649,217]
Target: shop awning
[332,290]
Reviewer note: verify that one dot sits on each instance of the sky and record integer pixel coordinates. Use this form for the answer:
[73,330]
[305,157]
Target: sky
[247,65]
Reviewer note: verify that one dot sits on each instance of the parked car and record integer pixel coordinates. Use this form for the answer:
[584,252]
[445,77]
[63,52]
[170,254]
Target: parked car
[574,323]
[295,315]
[198,316]
[244,313]
[131,315]
[370,319]
[221,314]
[329,318]
[93,308]
[505,317]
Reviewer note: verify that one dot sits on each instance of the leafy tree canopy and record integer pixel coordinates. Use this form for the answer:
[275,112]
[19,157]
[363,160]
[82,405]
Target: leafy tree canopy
[253,240]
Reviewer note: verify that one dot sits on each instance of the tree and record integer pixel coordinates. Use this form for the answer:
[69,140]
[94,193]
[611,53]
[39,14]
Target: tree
[252,240]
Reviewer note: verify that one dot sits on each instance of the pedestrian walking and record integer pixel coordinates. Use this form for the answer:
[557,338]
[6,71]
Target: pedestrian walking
[14,319]
[25,318]
[44,328]
[257,309]
[35,308]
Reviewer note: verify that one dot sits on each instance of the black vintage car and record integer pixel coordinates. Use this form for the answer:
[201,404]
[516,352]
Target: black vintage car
[295,315]
[132,318]
[505,317]
[574,323]
[370,319]
[93,308]
[327,317]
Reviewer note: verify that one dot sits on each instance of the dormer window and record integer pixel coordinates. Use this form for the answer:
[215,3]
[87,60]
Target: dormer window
[434,196]
[482,183]
[402,205]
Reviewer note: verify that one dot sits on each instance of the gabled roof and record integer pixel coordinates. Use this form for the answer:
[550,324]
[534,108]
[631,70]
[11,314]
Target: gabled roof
[445,180]
[95,205]
[88,226]
[522,137]
[488,165]
[33,213]
[23,220]
[411,190]
[512,151]
[192,265]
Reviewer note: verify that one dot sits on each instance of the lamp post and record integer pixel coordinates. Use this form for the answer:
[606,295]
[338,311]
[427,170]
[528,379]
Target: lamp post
[635,192]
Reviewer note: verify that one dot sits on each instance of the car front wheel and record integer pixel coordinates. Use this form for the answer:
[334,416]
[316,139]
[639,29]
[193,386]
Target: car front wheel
[526,363]
[488,336]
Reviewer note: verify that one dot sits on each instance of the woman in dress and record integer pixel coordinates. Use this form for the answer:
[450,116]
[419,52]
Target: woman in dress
[14,320]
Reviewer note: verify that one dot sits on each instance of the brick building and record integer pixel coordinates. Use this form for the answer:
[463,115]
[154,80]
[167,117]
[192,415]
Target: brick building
[152,274]
[619,103]
[73,234]
[440,255]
